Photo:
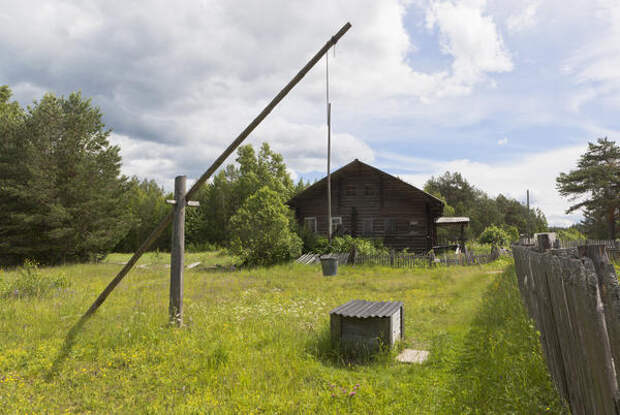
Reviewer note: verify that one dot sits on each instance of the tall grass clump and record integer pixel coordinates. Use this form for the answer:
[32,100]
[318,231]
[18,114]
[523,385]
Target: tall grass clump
[500,368]
[30,282]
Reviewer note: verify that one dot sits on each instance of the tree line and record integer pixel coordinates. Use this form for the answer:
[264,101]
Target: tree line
[464,199]
[63,197]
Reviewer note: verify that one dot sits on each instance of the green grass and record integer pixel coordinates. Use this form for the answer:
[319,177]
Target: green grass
[256,341]
[499,368]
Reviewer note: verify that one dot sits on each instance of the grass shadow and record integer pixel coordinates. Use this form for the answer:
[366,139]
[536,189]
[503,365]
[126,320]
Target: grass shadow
[66,348]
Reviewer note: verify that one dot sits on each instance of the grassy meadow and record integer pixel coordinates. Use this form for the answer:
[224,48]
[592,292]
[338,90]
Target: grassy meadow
[257,341]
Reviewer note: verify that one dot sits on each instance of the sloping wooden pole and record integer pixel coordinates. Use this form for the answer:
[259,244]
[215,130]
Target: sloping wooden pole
[216,164]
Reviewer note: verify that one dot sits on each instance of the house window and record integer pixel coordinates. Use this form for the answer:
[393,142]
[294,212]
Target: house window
[389,226]
[349,190]
[413,227]
[367,229]
[336,225]
[310,223]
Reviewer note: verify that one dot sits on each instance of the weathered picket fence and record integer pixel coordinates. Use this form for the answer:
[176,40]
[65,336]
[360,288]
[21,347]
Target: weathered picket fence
[410,260]
[608,243]
[574,298]
[396,260]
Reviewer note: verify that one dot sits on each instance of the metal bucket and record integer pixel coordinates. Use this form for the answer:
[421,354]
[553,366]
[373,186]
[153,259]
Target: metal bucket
[329,265]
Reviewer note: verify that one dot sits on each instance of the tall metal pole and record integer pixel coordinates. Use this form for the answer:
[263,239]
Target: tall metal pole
[329,176]
[216,164]
[329,151]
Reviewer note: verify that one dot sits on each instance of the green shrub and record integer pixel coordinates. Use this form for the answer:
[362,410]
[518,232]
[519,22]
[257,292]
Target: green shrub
[261,230]
[494,235]
[570,234]
[512,232]
[312,242]
[30,282]
[346,243]
[363,246]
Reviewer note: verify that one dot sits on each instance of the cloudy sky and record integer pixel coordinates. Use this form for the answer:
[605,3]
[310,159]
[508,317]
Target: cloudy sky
[507,92]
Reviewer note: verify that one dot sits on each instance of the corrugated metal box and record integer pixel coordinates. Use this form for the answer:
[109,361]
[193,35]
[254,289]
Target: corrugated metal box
[367,324]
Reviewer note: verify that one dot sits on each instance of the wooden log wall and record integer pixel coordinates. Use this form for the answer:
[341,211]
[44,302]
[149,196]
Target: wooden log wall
[574,298]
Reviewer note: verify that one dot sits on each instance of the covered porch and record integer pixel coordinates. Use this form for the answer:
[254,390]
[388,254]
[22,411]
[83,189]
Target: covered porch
[453,221]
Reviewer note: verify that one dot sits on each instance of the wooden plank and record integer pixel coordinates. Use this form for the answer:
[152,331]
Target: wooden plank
[609,291]
[597,346]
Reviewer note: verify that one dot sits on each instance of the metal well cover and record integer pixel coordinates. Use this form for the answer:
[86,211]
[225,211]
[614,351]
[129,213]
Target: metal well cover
[366,309]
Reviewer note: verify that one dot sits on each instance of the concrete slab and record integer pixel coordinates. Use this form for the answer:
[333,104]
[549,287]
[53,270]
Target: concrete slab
[412,356]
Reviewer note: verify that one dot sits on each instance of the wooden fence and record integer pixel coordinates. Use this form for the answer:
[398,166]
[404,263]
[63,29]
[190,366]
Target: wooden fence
[396,260]
[608,243]
[404,260]
[574,298]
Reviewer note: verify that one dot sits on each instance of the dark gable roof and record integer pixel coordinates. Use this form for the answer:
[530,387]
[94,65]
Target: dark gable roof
[358,163]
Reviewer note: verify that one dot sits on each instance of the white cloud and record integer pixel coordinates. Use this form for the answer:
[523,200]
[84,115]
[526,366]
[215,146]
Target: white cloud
[177,83]
[536,172]
[523,20]
[594,64]
[502,141]
[471,37]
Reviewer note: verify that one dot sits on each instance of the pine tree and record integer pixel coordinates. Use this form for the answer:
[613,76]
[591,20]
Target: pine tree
[12,173]
[68,201]
[595,184]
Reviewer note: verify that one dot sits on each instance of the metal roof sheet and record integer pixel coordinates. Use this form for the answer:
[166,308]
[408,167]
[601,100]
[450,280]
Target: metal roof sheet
[449,219]
[366,309]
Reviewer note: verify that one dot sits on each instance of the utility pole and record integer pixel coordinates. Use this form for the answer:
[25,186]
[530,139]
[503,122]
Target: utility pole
[527,223]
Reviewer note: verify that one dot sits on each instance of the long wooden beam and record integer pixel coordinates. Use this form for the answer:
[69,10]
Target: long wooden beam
[216,164]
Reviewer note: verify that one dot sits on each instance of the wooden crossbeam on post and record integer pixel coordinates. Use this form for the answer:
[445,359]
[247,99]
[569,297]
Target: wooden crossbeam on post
[177,250]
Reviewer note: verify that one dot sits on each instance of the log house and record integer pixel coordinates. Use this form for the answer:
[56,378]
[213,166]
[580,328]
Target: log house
[368,202]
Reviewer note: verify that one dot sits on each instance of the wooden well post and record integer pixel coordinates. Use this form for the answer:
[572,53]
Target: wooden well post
[210,171]
[177,250]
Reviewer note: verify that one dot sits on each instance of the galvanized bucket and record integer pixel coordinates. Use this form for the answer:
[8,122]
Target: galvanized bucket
[329,265]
